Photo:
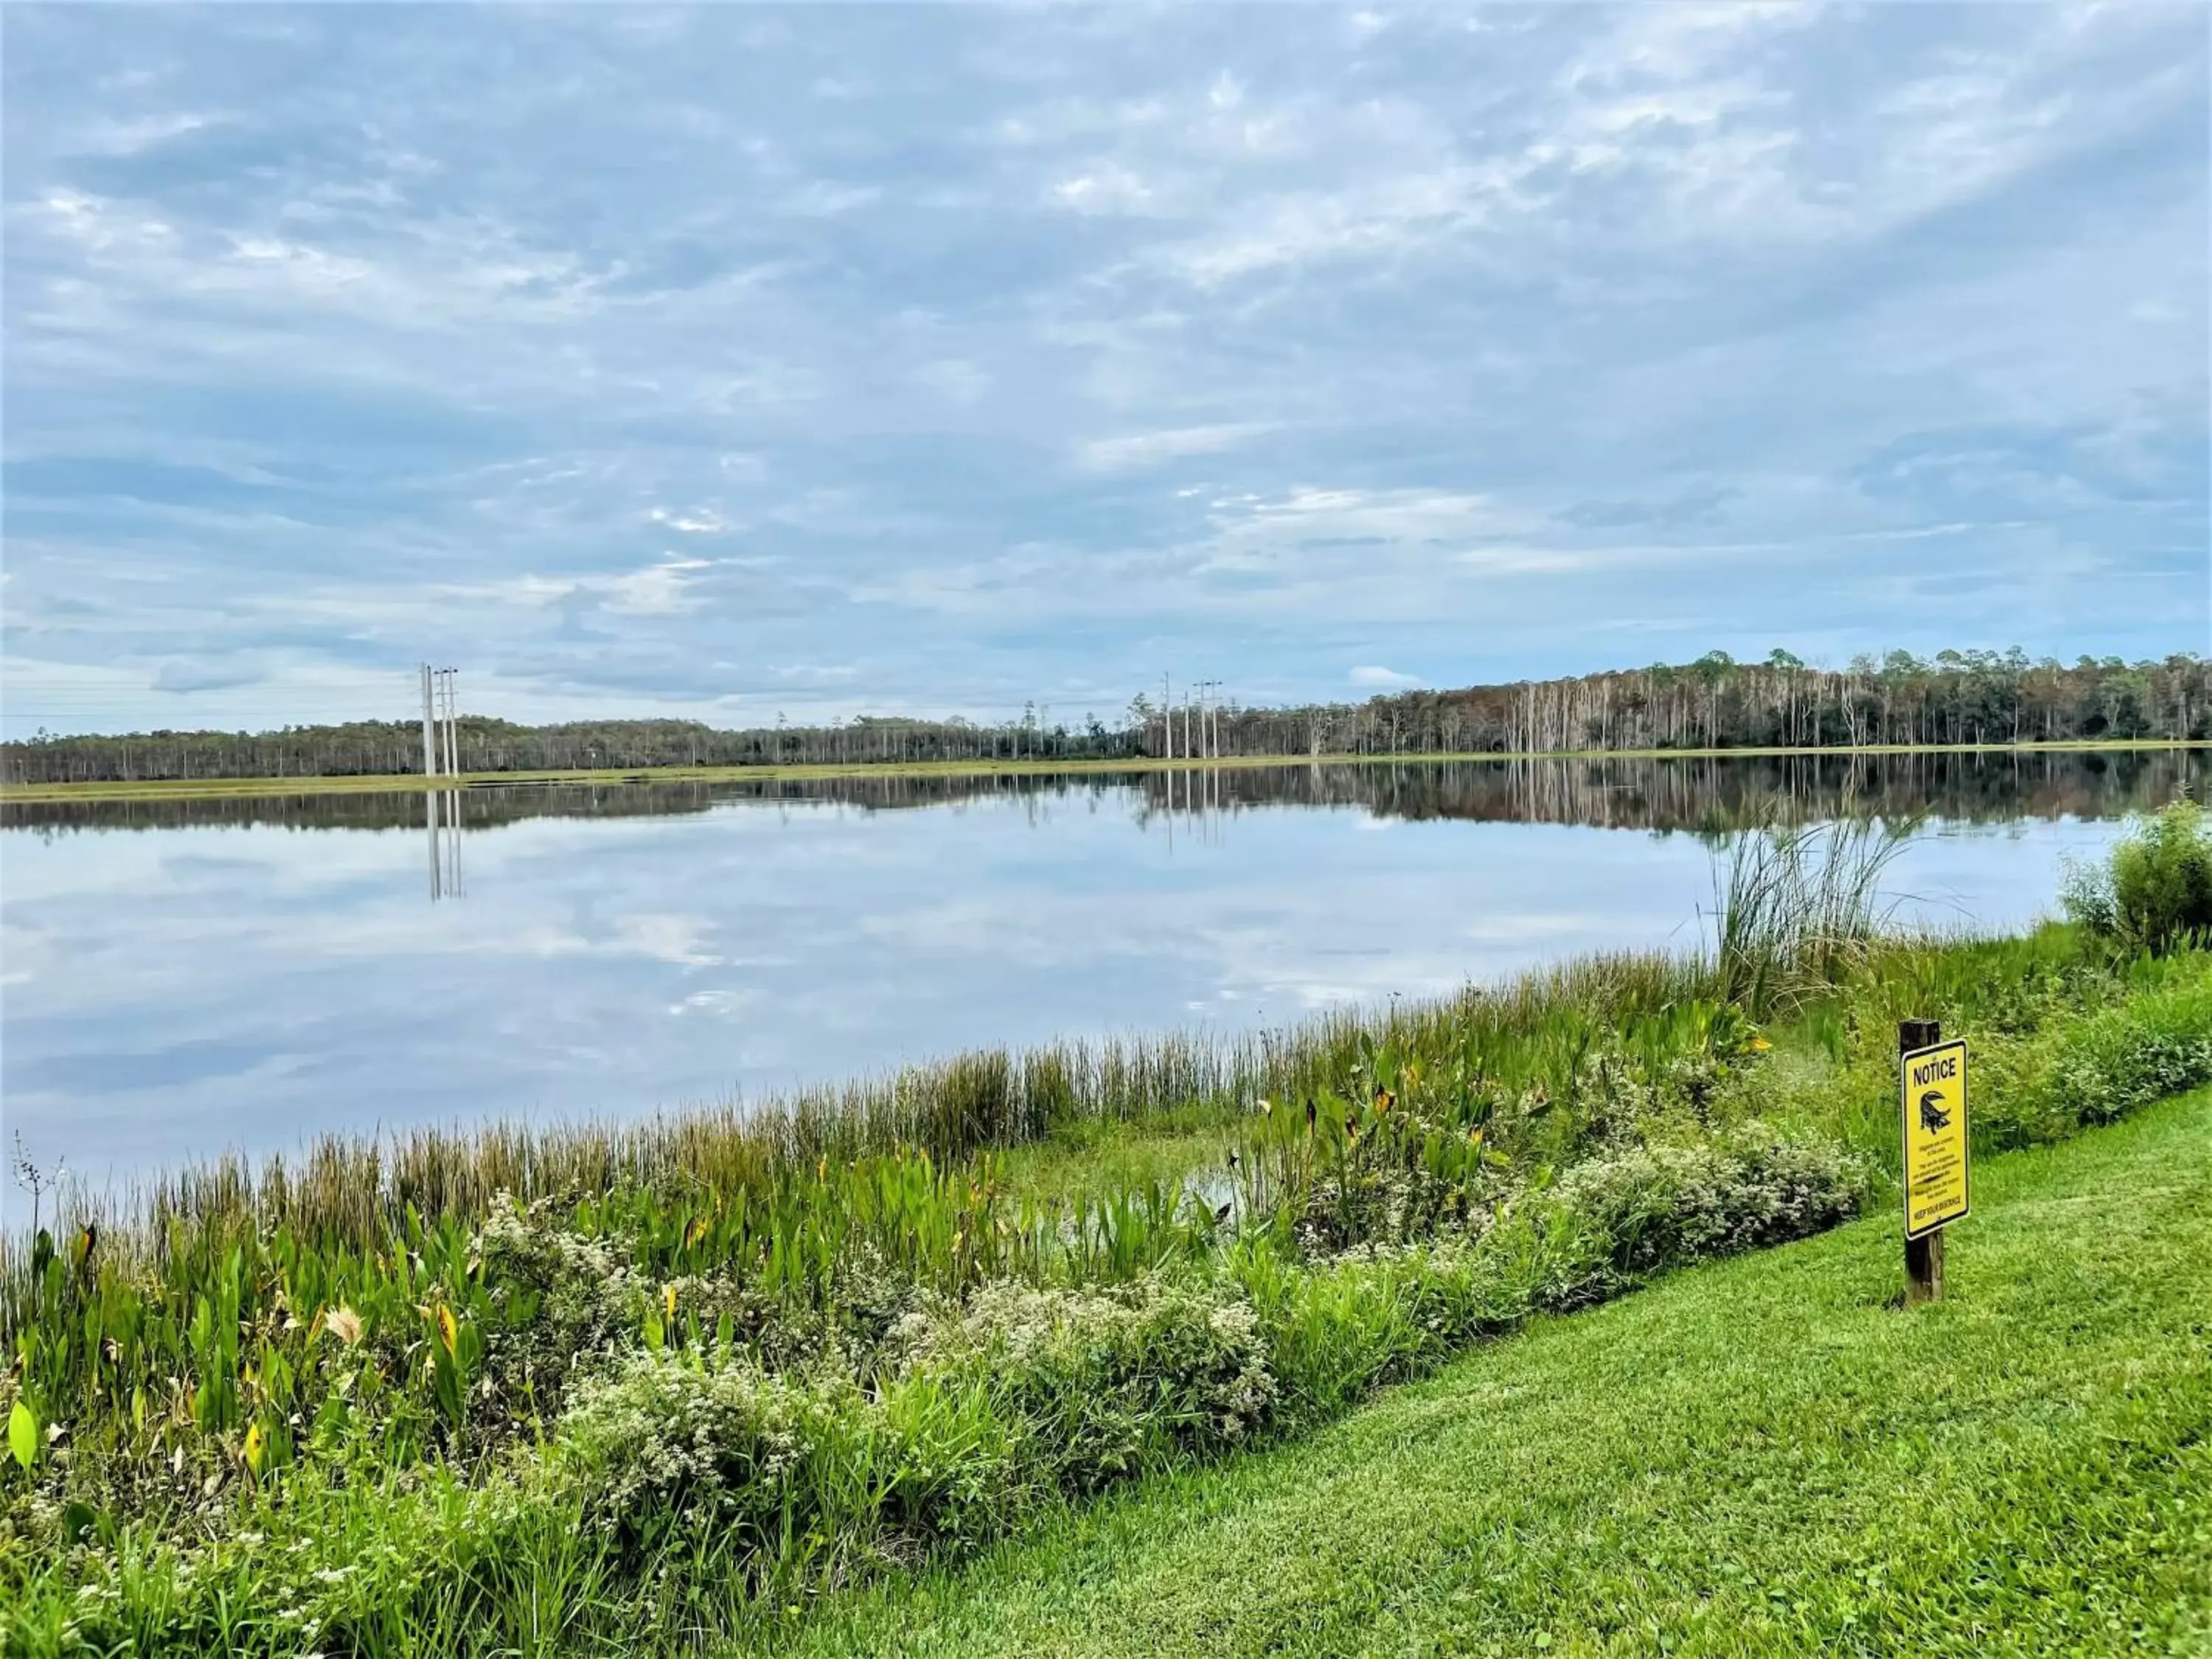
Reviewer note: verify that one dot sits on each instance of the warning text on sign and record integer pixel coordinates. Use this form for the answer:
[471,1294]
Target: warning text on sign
[1933,1089]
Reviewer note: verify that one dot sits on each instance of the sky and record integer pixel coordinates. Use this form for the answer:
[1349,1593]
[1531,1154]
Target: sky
[746,361]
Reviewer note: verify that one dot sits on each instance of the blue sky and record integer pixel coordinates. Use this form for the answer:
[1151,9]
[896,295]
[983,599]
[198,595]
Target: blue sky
[745,360]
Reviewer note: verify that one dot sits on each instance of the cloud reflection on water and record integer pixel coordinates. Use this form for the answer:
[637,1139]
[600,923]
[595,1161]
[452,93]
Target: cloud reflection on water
[186,989]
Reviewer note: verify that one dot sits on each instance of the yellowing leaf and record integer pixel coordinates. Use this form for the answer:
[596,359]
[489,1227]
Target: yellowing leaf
[448,1328]
[23,1435]
[256,1448]
[668,1299]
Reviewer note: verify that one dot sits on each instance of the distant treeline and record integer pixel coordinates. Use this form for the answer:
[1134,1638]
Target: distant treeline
[1715,703]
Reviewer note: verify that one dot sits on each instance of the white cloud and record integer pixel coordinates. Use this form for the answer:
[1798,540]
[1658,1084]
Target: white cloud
[659,591]
[1367,525]
[662,589]
[701,521]
[1383,679]
[129,138]
[1138,450]
[1106,188]
[722,1004]
[1381,216]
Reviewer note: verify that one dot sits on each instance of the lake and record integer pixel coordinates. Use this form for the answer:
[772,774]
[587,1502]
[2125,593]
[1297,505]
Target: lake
[183,977]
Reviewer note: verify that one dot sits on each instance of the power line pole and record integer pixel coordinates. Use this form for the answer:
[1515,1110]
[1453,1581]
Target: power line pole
[429,748]
[447,678]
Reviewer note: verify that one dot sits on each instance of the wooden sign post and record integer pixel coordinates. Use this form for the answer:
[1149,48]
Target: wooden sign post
[1932,1097]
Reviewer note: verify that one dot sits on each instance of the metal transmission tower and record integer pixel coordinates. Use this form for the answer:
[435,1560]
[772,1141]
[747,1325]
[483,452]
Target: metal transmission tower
[429,740]
[451,678]
[442,739]
[441,758]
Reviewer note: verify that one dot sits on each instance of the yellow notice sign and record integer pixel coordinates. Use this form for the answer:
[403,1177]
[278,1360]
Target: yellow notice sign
[1935,1081]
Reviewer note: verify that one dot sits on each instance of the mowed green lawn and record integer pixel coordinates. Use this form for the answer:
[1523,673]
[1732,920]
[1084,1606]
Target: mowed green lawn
[1762,1456]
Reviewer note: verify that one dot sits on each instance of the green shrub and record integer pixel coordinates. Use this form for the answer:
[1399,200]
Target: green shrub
[2154,892]
[2126,1056]
[1103,1385]
[788,1476]
[1382,1312]
[1653,1206]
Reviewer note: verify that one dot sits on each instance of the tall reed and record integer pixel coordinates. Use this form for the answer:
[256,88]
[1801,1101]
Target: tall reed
[1795,905]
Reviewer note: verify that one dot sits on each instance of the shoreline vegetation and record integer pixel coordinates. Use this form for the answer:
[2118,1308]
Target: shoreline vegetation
[1607,1484]
[417,783]
[670,1385]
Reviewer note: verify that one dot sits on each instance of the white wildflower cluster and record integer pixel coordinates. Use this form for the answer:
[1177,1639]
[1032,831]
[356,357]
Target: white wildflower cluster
[670,1433]
[1112,1371]
[1658,1204]
[587,1280]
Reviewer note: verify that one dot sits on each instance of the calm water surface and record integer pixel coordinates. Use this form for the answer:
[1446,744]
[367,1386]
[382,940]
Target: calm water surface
[189,977]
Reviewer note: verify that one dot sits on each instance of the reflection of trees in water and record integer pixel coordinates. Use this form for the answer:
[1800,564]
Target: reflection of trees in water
[1695,794]
[1718,794]
[488,807]
[479,809]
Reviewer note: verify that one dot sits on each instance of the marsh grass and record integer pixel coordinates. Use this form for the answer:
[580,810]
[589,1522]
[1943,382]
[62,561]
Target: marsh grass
[1796,905]
[357,1192]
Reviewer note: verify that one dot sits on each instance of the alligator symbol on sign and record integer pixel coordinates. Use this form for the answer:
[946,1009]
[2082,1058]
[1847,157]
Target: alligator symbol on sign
[1932,1115]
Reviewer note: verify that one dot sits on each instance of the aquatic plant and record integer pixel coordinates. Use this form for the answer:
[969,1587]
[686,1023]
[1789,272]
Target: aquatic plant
[2153,891]
[1796,903]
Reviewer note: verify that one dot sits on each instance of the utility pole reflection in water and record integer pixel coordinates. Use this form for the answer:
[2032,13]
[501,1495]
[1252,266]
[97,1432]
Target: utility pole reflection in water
[441,808]
[441,821]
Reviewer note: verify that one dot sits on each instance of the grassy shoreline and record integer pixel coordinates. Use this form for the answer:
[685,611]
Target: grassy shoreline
[166,789]
[2022,1468]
